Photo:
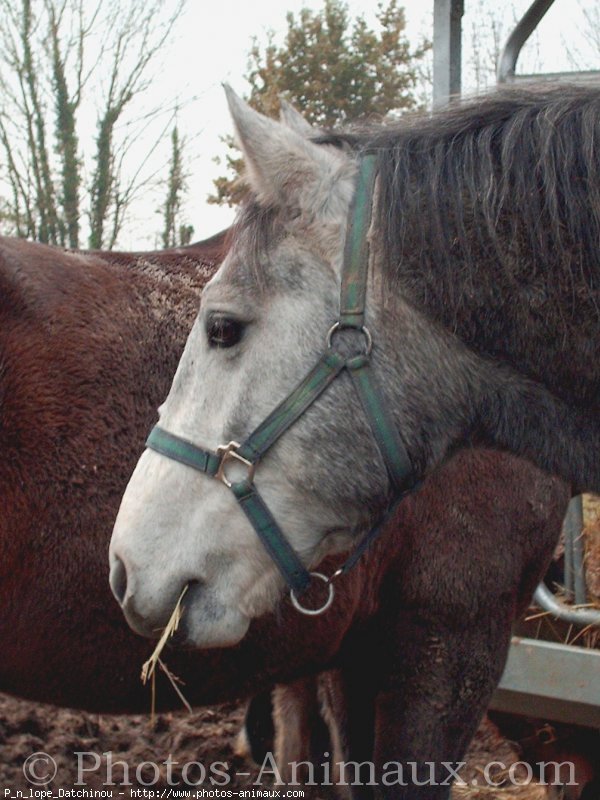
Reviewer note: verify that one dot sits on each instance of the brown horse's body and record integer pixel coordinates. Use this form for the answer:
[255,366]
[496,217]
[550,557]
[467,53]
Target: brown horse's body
[88,345]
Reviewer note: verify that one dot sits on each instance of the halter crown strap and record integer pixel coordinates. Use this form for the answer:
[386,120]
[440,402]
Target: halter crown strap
[356,248]
[352,315]
[321,376]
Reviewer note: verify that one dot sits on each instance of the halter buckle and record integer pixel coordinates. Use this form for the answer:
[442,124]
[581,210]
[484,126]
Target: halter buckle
[228,452]
[338,326]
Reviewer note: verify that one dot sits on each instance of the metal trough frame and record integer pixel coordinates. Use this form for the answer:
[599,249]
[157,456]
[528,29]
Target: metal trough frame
[542,678]
[554,681]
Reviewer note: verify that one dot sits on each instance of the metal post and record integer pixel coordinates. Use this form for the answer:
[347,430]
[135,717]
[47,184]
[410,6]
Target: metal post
[568,562]
[574,567]
[516,40]
[447,23]
[510,54]
[579,553]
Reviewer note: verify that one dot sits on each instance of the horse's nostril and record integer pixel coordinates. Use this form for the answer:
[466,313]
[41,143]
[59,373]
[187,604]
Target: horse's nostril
[118,579]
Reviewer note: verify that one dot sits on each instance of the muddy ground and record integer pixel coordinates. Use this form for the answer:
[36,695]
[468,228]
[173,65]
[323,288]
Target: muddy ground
[207,736]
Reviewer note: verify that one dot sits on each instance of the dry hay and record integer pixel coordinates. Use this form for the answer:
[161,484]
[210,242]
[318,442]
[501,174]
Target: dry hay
[489,740]
[591,512]
[591,507]
[531,791]
[207,736]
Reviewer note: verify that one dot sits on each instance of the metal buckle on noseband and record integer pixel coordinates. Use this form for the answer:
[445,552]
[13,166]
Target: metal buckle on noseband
[228,452]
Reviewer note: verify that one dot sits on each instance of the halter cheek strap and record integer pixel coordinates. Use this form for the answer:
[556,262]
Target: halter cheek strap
[326,370]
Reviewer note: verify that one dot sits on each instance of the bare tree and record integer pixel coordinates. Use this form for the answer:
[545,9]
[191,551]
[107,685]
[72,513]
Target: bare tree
[585,53]
[51,53]
[591,28]
[175,232]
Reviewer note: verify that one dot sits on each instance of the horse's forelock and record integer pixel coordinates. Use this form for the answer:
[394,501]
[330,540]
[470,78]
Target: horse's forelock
[255,231]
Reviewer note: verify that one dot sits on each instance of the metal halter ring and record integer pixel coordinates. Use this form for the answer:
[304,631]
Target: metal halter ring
[337,326]
[314,612]
[228,452]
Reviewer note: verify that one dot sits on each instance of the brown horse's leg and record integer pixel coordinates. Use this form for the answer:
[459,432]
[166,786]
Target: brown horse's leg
[257,734]
[348,708]
[301,738]
[286,735]
[434,687]
[317,729]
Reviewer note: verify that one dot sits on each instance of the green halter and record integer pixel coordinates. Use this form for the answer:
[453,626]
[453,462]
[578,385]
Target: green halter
[330,365]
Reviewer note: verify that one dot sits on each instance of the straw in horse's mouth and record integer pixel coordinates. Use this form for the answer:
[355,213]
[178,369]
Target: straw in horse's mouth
[149,666]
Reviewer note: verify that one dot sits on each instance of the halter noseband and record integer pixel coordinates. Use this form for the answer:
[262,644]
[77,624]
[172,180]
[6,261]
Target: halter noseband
[327,369]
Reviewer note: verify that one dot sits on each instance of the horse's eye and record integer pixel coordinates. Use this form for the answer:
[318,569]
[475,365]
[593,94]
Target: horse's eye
[223,331]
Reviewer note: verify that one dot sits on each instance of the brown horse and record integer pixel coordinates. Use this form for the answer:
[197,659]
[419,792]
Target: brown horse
[419,630]
[87,344]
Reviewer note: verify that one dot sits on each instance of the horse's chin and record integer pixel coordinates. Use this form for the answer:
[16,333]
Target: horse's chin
[218,616]
[205,623]
[202,630]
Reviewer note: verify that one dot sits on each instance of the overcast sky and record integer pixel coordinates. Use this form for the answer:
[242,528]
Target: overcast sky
[210,45]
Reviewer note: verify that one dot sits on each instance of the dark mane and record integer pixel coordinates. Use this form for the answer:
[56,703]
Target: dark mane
[514,176]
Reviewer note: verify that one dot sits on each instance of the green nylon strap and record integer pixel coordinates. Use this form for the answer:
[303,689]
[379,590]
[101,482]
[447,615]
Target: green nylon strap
[382,425]
[276,545]
[327,368]
[371,535]
[356,247]
[183,451]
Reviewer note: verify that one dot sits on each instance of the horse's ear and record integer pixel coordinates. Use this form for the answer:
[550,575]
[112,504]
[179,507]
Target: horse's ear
[282,166]
[294,120]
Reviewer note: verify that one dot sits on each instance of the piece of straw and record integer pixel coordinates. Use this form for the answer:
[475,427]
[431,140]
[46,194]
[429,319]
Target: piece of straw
[174,680]
[149,666]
